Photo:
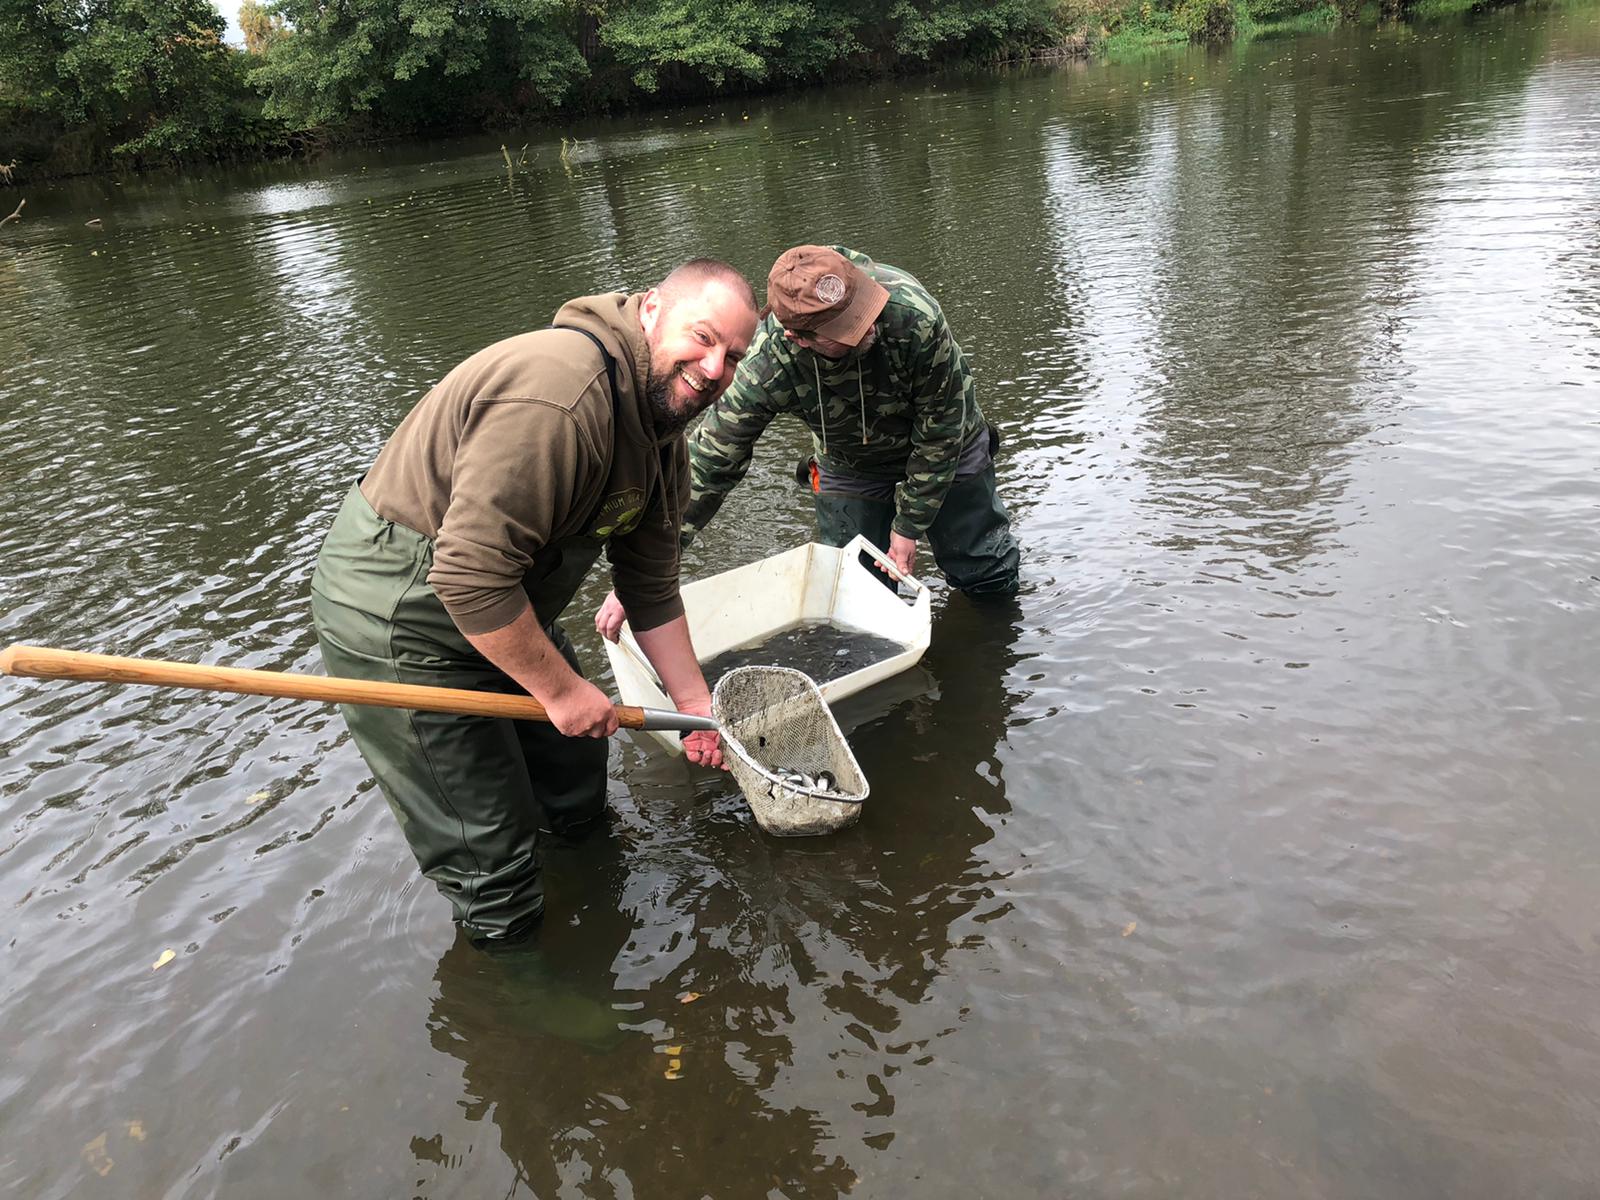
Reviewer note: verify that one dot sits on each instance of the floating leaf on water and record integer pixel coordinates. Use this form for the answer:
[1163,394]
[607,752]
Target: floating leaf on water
[95,1155]
[166,957]
[672,1051]
[688,997]
[136,1130]
[258,797]
[1129,928]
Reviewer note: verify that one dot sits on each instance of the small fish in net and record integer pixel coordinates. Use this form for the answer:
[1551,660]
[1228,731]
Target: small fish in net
[822,781]
[786,752]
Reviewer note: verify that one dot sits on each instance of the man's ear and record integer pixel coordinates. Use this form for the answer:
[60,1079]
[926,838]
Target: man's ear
[650,310]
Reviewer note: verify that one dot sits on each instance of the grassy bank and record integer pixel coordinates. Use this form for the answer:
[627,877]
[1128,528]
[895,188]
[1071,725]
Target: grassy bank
[1117,29]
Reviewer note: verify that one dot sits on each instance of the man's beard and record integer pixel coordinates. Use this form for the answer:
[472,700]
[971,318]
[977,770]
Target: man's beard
[658,395]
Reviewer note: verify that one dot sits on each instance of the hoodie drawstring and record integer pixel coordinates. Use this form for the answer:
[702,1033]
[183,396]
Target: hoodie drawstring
[861,393]
[822,408]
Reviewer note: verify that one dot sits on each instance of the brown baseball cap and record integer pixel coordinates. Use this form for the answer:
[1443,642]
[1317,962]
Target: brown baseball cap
[818,290]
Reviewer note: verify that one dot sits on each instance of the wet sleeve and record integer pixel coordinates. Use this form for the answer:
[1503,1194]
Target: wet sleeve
[721,444]
[942,398]
[644,563]
[520,468]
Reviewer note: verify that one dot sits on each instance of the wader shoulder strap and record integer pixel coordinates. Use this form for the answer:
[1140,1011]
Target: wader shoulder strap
[611,363]
[611,377]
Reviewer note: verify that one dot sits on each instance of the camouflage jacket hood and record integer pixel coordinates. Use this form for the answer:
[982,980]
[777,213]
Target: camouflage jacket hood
[900,410]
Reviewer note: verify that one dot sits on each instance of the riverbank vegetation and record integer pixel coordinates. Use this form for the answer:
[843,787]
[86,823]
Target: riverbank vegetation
[89,85]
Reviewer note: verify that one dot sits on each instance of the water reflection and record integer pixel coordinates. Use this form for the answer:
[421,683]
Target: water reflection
[590,1092]
[871,929]
[787,979]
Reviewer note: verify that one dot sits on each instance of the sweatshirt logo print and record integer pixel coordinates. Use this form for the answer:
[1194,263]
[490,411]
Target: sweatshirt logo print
[619,514]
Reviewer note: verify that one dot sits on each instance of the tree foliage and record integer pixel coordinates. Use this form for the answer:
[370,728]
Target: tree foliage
[709,40]
[141,80]
[260,27]
[398,61]
[1207,20]
[349,57]
[930,28]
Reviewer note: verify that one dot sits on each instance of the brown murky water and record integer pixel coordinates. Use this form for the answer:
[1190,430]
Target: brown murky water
[1253,854]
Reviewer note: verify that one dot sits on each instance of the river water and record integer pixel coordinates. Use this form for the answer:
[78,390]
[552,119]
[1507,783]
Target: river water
[1255,853]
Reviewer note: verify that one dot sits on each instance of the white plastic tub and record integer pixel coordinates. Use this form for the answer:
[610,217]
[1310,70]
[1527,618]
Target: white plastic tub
[749,604]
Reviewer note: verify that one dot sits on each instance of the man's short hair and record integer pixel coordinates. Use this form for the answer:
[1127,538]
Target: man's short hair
[696,272]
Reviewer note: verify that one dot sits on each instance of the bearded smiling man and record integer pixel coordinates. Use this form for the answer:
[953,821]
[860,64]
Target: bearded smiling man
[452,558]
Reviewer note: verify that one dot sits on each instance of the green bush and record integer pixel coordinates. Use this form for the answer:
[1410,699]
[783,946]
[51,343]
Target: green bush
[1207,20]
[122,81]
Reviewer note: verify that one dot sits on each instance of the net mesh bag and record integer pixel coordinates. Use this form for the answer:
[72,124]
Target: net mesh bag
[778,737]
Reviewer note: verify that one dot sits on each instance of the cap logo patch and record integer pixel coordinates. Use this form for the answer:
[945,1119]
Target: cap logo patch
[830,289]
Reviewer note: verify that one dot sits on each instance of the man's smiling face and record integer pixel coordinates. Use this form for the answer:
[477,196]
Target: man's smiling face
[696,340]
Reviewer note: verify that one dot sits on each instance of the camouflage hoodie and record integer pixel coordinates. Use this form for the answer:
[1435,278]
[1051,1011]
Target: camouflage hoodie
[902,410]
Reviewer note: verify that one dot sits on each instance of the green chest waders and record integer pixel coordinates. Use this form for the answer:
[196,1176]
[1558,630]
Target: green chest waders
[470,793]
[970,537]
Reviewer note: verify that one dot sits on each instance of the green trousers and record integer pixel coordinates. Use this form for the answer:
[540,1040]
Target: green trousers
[970,538]
[471,793]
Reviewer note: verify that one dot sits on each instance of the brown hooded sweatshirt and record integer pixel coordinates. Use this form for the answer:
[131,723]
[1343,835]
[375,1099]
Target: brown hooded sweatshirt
[518,458]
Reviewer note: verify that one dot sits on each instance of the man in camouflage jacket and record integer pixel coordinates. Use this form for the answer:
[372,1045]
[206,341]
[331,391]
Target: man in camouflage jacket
[861,353]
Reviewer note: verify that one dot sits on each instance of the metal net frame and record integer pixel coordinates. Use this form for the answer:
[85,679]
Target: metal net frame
[775,725]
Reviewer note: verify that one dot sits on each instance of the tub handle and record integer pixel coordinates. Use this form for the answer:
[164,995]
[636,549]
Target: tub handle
[859,542]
